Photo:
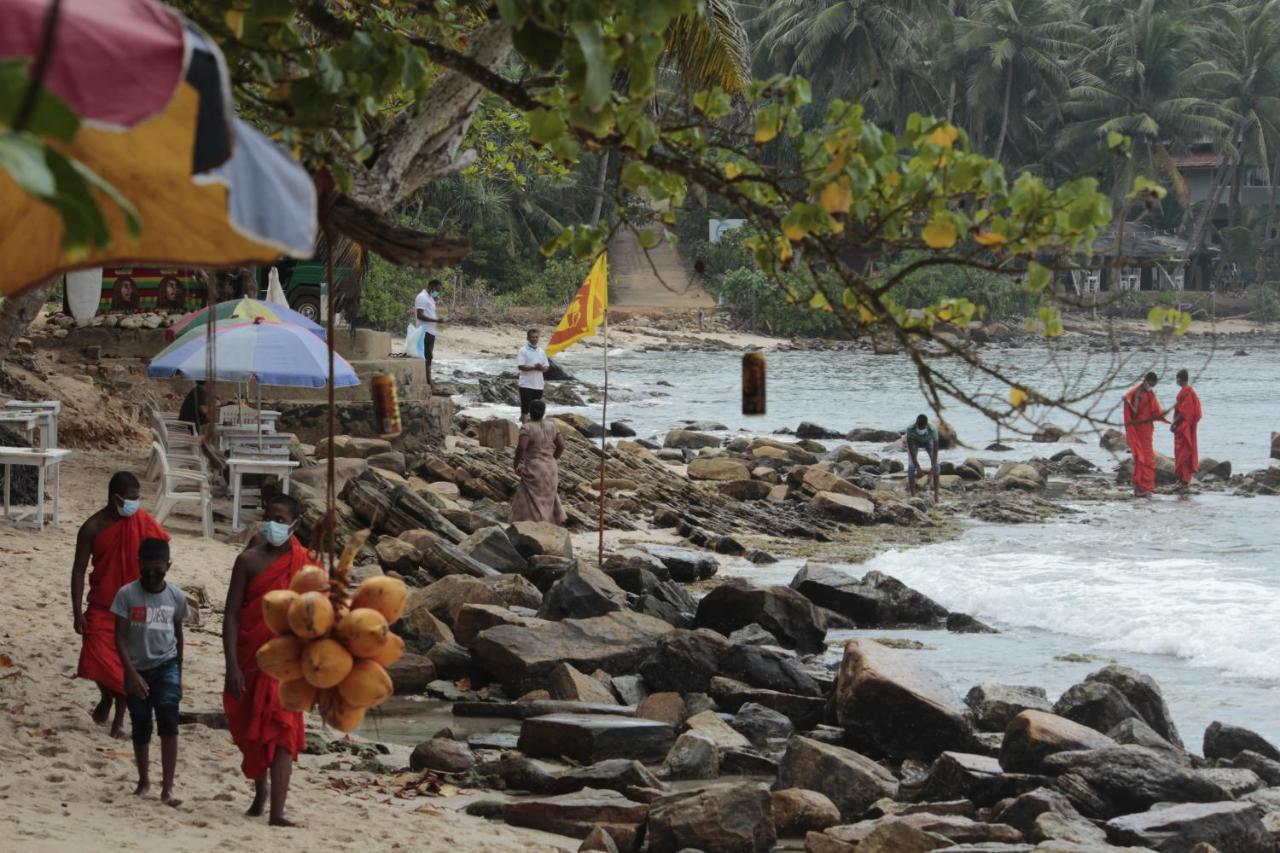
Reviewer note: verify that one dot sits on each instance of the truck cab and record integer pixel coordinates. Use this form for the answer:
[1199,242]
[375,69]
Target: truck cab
[304,284]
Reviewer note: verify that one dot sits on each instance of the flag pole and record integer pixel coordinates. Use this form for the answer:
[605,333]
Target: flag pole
[604,430]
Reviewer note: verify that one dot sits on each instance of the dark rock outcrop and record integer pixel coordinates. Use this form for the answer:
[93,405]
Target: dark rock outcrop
[994,705]
[875,601]
[1032,736]
[849,779]
[1227,827]
[588,738]
[734,817]
[1226,742]
[785,613]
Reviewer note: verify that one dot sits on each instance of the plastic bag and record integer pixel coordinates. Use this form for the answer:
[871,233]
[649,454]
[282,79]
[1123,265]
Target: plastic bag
[413,339]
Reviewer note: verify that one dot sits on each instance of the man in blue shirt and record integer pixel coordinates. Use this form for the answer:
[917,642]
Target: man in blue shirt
[922,435]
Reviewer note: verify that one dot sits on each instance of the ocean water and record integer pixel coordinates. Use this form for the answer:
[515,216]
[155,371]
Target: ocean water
[1185,589]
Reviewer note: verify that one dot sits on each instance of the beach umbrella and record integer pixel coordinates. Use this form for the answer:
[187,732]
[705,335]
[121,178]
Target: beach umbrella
[270,353]
[241,309]
[156,124]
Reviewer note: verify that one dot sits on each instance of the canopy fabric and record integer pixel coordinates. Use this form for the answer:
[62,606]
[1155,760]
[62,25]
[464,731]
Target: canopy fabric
[242,309]
[271,353]
[117,62]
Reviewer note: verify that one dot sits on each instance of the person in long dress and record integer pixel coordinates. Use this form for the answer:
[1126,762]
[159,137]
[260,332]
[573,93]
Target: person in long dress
[537,455]
[1187,414]
[1141,411]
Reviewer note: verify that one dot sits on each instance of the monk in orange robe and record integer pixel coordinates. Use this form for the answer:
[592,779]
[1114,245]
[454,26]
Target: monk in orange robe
[1141,411]
[268,735]
[1186,419]
[111,537]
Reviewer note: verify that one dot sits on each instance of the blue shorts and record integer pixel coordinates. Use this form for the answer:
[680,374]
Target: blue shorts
[164,692]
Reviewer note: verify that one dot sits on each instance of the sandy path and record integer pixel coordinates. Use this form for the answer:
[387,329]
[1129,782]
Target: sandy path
[67,786]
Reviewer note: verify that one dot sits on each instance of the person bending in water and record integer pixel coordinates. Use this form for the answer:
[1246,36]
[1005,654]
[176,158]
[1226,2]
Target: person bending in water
[922,435]
[111,537]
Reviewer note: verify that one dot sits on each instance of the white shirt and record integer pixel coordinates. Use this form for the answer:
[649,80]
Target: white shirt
[427,305]
[530,357]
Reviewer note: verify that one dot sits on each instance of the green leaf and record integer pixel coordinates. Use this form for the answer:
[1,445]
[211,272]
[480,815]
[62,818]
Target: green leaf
[22,156]
[819,302]
[1038,277]
[545,125]
[713,103]
[541,46]
[648,238]
[1155,318]
[768,123]
[51,116]
[598,76]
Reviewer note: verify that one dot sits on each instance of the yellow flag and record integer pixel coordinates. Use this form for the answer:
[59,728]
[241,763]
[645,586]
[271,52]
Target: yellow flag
[586,311]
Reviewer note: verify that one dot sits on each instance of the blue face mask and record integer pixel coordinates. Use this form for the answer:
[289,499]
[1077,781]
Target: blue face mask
[275,532]
[126,507]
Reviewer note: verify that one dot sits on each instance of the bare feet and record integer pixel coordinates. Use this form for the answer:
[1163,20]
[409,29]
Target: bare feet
[166,797]
[258,805]
[281,821]
[101,711]
[143,787]
[117,732]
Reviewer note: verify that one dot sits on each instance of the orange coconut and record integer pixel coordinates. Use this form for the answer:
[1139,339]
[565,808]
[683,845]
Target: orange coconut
[311,615]
[383,594]
[367,686]
[337,713]
[310,579]
[297,695]
[325,663]
[275,609]
[363,631]
[281,657]
[391,650]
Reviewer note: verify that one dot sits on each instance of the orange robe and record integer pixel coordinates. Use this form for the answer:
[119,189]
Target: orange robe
[1186,452]
[115,563]
[259,724]
[1139,429]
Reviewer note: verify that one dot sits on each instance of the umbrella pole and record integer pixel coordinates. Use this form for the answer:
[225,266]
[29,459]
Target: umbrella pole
[211,399]
[259,418]
[604,419]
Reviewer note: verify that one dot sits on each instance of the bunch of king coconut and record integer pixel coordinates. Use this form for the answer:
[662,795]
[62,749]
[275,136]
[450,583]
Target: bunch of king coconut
[332,648]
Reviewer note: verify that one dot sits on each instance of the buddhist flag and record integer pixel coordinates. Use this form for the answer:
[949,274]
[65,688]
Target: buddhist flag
[585,311]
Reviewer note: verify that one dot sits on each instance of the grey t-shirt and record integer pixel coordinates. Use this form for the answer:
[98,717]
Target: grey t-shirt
[150,640]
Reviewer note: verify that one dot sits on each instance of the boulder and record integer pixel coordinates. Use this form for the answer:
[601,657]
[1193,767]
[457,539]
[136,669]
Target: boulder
[1114,441]
[768,668]
[768,448]
[976,778]
[892,837]
[875,601]
[579,814]
[412,673]
[581,594]
[785,613]
[709,725]
[1275,445]
[316,476]
[396,555]
[441,557]
[587,738]
[1103,783]
[1228,827]
[684,564]
[888,704]
[812,430]
[1095,704]
[534,538]
[474,618]
[522,657]
[687,439]
[734,817]
[568,684]
[420,628]
[1023,811]
[621,429]
[693,756]
[442,754]
[684,661]
[1135,731]
[391,461]
[849,779]
[498,433]
[846,508]
[1236,781]
[349,447]
[797,811]
[1143,694]
[1032,736]
[873,436]
[1226,742]
[820,478]
[804,712]
[963,623]
[598,841]
[665,707]
[444,598]
[492,547]
[760,725]
[451,660]
[752,635]
[582,424]
[1267,769]
[631,689]
[1021,475]
[994,705]
[745,490]
[717,468]
[612,774]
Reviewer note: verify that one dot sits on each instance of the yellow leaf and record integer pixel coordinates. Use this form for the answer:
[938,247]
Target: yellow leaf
[1018,397]
[235,22]
[940,233]
[945,135]
[866,316]
[784,250]
[794,233]
[837,196]
[732,170]
[892,180]
[990,238]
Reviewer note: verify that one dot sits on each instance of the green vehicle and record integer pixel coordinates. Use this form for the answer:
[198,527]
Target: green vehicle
[304,284]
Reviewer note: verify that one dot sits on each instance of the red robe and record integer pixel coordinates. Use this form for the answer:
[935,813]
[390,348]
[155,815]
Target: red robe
[1139,429]
[1186,452]
[115,563]
[259,723]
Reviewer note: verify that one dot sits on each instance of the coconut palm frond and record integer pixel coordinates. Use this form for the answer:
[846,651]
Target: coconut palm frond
[711,49]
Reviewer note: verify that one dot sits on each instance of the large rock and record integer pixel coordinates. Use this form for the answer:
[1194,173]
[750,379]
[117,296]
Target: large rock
[411,673]
[472,619]
[804,712]
[694,756]
[687,439]
[492,547]
[522,657]
[976,778]
[734,817]
[581,594]
[684,564]
[892,837]
[760,725]
[849,779]
[1135,731]
[957,829]
[1032,736]
[568,684]
[890,705]
[820,478]
[717,468]
[578,814]
[587,738]
[612,774]
[994,705]
[709,725]
[808,429]
[498,433]
[875,601]
[846,508]
[745,490]
[1267,769]
[667,707]
[1226,742]
[444,598]
[1095,704]
[443,754]
[1228,827]
[684,661]
[396,555]
[349,447]
[1103,783]
[768,668]
[783,612]
[534,538]
[797,811]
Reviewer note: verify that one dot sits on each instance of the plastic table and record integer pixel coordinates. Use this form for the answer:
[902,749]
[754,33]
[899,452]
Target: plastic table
[238,466]
[42,461]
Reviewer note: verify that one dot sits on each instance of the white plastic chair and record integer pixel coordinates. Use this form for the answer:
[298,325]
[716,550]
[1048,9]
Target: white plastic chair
[181,461]
[182,486]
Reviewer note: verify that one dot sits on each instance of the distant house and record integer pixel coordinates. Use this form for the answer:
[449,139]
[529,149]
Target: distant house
[1202,165]
[1136,258]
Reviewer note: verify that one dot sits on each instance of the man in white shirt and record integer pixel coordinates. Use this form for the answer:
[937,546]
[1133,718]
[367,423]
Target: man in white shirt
[426,316]
[532,363]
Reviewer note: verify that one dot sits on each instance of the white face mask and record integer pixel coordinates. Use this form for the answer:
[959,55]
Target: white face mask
[275,532]
[127,507]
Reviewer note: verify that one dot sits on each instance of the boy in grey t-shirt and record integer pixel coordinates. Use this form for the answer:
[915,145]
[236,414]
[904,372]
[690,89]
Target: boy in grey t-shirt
[149,616]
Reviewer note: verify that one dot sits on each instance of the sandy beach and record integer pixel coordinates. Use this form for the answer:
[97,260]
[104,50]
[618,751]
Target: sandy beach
[68,786]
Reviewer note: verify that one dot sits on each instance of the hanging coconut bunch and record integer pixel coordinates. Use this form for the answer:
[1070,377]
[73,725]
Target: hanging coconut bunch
[332,645]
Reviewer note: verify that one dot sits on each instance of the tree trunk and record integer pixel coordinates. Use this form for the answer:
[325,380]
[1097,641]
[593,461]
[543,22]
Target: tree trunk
[17,312]
[1274,180]
[602,176]
[1004,118]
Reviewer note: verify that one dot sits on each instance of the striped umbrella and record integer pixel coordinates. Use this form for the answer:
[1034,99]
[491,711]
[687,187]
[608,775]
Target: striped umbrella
[271,353]
[242,309]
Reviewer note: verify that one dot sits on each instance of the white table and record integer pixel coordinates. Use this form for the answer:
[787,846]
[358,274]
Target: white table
[238,466]
[42,461]
[25,421]
[47,412]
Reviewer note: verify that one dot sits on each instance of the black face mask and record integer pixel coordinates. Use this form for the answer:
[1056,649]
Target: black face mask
[152,581]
